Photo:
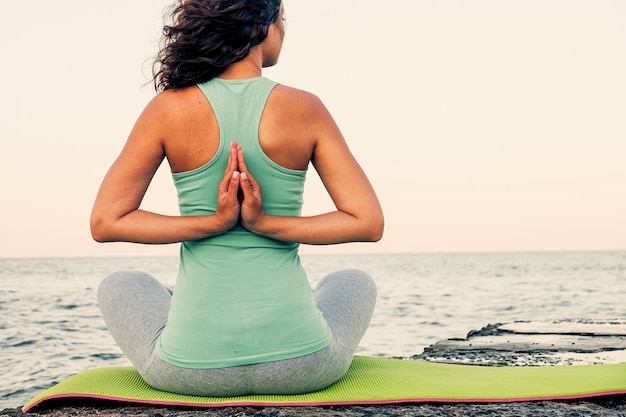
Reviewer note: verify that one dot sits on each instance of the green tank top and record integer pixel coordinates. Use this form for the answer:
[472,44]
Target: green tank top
[240,298]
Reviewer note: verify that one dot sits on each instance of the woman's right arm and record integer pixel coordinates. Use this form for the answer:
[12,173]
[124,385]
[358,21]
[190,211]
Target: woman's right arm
[116,216]
[358,216]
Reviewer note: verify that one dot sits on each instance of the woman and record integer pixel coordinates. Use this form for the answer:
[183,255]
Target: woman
[243,318]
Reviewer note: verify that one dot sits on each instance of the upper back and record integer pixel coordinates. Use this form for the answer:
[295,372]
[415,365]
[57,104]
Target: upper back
[285,132]
[238,106]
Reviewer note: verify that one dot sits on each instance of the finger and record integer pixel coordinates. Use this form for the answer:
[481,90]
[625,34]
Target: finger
[241,160]
[254,185]
[233,186]
[252,190]
[227,181]
[233,156]
[231,165]
[224,184]
[245,185]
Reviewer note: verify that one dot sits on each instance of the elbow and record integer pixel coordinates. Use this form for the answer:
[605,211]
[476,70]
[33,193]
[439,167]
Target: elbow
[97,234]
[98,229]
[375,229]
[378,229]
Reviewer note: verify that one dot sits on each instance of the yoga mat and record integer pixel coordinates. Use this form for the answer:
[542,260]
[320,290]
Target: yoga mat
[371,381]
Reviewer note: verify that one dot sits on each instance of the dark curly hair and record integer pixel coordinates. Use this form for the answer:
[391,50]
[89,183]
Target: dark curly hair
[206,36]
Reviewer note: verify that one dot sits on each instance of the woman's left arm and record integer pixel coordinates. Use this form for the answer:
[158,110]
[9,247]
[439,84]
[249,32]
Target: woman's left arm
[358,216]
[116,216]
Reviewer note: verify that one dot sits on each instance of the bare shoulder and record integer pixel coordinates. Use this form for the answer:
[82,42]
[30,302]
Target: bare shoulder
[297,100]
[176,104]
[296,93]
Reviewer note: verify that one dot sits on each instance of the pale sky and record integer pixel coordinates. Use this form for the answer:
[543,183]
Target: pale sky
[484,125]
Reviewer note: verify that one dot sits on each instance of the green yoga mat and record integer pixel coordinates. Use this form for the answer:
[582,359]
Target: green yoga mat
[371,381]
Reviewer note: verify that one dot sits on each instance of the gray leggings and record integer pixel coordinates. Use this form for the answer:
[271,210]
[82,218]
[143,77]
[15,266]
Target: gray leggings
[135,308]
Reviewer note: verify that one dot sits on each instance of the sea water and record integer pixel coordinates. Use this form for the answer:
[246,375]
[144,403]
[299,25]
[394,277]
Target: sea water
[50,325]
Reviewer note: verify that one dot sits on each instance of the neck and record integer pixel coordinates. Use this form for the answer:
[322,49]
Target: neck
[249,67]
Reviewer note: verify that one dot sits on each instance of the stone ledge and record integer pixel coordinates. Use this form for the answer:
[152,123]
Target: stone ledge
[522,343]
